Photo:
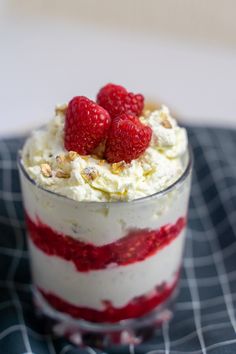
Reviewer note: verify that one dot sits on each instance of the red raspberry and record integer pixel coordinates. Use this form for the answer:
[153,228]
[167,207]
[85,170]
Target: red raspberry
[128,138]
[117,100]
[86,125]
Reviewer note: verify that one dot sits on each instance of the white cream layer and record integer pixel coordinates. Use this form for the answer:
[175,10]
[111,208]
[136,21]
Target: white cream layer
[119,285]
[102,223]
[159,166]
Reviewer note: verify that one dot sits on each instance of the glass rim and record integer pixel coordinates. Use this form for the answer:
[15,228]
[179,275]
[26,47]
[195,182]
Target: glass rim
[180,180]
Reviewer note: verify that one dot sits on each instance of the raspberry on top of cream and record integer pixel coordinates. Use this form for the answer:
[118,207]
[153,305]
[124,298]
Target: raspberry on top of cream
[92,178]
[156,163]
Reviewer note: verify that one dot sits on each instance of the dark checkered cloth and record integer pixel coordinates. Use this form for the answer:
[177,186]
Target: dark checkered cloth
[205,317]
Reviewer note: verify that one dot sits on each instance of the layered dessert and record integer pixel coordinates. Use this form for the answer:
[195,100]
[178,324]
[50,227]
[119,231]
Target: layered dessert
[105,187]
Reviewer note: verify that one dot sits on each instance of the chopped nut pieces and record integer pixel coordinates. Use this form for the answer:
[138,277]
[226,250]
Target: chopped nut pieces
[46,170]
[165,121]
[85,157]
[61,159]
[72,155]
[118,167]
[101,162]
[151,106]
[146,113]
[61,109]
[89,173]
[95,157]
[149,172]
[99,150]
[62,174]
[166,124]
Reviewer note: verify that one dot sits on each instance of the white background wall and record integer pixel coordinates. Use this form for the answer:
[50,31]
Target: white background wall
[179,52]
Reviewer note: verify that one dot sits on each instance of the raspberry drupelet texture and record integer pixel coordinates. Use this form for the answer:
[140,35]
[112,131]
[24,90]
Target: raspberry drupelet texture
[86,125]
[128,138]
[116,100]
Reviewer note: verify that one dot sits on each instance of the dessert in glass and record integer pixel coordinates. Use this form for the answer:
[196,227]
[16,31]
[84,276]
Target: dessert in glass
[105,187]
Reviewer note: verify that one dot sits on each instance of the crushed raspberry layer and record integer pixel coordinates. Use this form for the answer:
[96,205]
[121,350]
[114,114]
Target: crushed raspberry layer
[138,307]
[136,246]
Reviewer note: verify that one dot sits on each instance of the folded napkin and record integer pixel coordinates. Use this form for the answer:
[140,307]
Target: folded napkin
[205,317]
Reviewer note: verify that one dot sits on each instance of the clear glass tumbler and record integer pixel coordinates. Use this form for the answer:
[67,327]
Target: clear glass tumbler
[106,270]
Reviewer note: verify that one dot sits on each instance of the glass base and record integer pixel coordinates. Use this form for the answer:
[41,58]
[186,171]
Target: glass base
[81,332]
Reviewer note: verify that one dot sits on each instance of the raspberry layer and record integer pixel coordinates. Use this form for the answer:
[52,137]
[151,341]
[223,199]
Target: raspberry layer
[136,246]
[137,307]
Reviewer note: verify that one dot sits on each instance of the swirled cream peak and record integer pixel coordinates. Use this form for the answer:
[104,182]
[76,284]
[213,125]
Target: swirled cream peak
[90,178]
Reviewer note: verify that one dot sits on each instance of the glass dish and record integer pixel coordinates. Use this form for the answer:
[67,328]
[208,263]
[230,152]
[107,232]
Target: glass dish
[106,272]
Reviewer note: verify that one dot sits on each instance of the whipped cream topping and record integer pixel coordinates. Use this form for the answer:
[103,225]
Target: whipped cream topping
[90,178]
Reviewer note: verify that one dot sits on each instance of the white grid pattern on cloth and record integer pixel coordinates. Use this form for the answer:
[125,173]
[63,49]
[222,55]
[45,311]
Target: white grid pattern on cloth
[191,279]
[212,302]
[8,197]
[66,349]
[131,349]
[165,330]
[206,260]
[219,261]
[18,241]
